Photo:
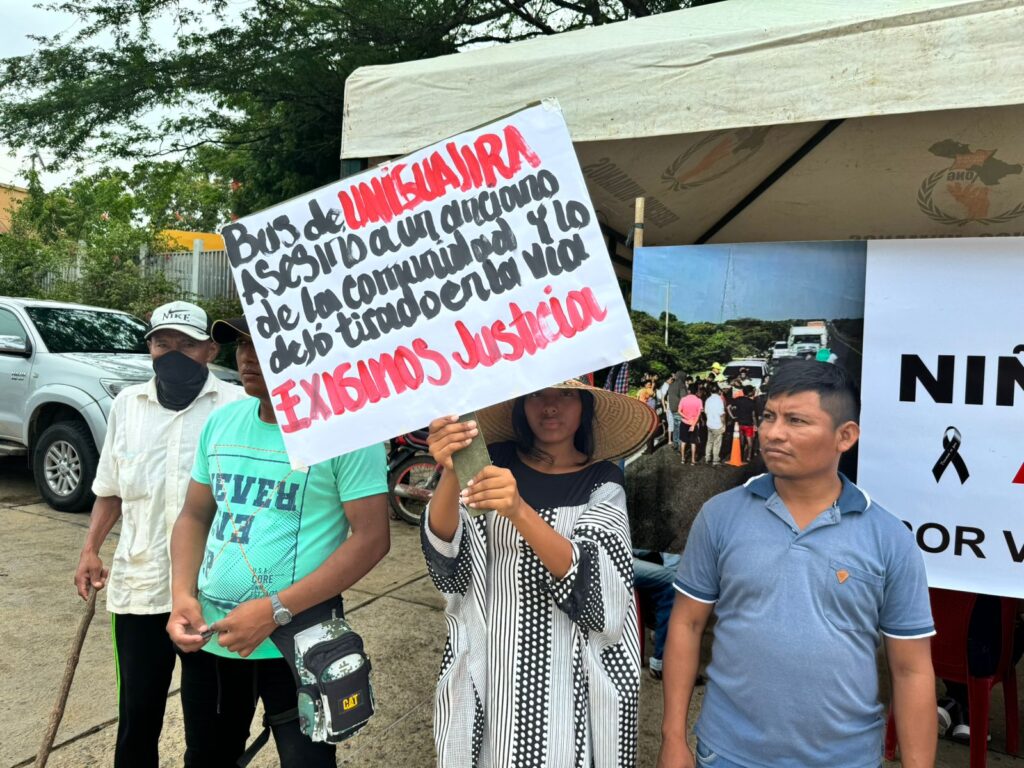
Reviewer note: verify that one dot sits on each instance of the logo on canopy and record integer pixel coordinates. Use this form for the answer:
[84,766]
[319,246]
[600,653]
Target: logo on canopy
[971,189]
[712,157]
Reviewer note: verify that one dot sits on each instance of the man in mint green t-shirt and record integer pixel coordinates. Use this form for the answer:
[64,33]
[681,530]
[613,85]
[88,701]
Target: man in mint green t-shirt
[255,537]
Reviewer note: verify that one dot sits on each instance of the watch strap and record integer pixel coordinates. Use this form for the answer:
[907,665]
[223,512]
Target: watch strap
[277,607]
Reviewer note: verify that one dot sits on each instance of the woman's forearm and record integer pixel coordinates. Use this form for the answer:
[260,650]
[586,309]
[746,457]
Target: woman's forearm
[553,549]
[443,518]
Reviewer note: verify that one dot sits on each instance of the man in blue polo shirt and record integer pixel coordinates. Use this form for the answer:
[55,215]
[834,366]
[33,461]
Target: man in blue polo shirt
[806,574]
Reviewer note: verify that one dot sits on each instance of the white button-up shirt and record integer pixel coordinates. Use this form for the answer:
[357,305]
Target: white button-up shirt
[147,461]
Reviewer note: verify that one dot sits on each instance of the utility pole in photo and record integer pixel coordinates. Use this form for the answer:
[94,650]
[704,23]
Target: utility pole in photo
[668,292]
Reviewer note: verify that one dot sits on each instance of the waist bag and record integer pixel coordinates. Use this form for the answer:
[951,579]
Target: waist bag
[331,670]
[332,675]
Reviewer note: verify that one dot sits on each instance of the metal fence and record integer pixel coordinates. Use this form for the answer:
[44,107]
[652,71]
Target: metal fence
[204,274]
[198,273]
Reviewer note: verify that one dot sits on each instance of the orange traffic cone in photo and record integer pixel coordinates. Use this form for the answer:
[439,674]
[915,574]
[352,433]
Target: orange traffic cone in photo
[736,458]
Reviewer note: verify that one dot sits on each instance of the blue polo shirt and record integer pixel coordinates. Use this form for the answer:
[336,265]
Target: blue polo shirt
[793,680]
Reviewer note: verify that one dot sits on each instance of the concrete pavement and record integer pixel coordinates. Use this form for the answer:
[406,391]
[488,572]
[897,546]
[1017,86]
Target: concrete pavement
[396,609]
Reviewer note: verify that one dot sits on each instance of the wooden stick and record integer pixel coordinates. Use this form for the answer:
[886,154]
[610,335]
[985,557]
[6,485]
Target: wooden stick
[638,224]
[65,685]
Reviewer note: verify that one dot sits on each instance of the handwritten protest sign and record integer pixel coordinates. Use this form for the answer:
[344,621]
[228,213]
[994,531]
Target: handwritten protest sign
[462,275]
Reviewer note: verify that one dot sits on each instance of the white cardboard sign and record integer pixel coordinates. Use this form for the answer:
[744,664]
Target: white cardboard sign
[943,404]
[462,275]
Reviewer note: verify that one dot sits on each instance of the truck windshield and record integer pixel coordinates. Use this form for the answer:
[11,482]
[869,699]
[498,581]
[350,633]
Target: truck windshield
[66,329]
[809,339]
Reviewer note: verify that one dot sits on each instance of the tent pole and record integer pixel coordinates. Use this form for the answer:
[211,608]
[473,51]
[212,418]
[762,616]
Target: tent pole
[820,135]
[638,223]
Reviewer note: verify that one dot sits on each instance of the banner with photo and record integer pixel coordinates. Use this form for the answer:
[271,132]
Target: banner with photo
[766,303]
[728,317]
[465,274]
[931,330]
[943,404]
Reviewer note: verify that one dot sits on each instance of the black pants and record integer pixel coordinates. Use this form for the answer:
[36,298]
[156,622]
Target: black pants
[144,656]
[218,696]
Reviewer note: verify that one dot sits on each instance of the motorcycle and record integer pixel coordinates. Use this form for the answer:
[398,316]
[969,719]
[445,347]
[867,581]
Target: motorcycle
[412,476]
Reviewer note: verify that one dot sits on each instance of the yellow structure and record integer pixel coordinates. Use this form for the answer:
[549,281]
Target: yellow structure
[10,196]
[180,240]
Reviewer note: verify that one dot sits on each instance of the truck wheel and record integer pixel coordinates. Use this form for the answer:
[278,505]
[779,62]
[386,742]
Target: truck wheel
[64,464]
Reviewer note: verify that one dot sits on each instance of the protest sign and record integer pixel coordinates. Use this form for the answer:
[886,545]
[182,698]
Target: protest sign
[462,275]
[942,404]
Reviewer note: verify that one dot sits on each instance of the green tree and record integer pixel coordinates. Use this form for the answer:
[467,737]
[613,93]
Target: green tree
[258,96]
[193,196]
[84,241]
[693,347]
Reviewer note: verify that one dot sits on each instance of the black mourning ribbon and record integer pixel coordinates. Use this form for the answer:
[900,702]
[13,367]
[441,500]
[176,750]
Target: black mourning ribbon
[951,443]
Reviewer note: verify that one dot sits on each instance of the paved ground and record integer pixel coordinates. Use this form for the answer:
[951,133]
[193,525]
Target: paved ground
[395,608]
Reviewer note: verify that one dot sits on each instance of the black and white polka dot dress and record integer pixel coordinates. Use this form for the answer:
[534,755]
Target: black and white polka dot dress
[539,673]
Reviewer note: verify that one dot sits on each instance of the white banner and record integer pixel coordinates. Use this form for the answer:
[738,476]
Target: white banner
[462,275]
[943,404]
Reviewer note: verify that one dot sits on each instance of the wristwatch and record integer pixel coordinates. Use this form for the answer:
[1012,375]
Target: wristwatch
[281,614]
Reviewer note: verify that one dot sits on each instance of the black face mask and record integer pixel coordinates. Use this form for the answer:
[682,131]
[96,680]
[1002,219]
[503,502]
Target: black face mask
[179,379]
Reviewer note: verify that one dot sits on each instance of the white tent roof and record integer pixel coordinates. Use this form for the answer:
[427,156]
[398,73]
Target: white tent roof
[734,64]
[752,120]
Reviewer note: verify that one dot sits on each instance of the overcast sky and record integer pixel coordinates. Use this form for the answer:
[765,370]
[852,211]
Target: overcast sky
[21,19]
[715,283]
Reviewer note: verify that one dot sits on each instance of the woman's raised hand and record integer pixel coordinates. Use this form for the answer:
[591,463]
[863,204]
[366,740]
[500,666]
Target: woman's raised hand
[494,488]
[448,435]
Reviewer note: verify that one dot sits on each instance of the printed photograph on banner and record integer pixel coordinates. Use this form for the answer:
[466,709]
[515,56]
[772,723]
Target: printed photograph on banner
[464,274]
[718,321]
[943,404]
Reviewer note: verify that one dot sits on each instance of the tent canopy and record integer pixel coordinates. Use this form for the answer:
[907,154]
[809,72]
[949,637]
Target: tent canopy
[752,119]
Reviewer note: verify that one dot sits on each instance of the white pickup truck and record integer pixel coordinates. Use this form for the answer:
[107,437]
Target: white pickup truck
[780,349]
[61,366]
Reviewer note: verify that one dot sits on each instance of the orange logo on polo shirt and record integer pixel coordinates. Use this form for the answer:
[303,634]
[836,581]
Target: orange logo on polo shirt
[842,576]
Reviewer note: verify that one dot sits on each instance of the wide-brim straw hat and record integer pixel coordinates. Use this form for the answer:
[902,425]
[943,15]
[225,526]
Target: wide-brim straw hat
[622,424]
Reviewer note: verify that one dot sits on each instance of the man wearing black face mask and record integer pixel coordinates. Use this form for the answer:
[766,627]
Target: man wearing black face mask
[141,479]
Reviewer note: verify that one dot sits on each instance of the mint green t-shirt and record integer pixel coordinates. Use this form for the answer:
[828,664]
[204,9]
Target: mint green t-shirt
[273,525]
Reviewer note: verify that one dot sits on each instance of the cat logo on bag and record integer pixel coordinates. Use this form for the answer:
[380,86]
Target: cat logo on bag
[351,702]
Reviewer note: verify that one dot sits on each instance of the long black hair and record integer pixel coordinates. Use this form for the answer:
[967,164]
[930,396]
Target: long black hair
[583,440]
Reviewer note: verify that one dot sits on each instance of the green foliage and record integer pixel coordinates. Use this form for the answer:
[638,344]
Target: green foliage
[192,195]
[255,95]
[82,242]
[693,347]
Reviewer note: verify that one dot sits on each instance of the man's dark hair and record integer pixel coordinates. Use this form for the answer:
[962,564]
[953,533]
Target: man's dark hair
[693,388]
[583,440]
[748,390]
[839,397]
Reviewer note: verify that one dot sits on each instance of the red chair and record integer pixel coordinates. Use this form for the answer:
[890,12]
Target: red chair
[952,614]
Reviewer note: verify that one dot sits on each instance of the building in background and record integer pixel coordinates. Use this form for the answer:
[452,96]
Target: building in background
[10,196]
[180,240]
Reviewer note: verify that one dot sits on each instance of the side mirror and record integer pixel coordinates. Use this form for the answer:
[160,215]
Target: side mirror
[15,345]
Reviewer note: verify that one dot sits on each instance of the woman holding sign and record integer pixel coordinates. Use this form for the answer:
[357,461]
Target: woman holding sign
[542,662]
